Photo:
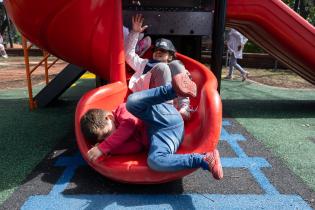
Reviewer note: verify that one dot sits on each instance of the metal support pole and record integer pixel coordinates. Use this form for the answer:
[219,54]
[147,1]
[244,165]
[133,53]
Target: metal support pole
[46,55]
[218,39]
[28,74]
[275,67]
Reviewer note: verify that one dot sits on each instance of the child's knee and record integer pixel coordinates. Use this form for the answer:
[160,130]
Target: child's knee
[160,68]
[132,103]
[160,75]
[155,163]
[176,67]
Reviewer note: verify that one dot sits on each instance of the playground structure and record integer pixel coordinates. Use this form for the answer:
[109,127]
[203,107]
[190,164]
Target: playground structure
[96,36]
[26,47]
[53,88]
[278,30]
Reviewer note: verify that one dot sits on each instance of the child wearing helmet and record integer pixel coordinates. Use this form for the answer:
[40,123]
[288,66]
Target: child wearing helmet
[150,76]
[158,70]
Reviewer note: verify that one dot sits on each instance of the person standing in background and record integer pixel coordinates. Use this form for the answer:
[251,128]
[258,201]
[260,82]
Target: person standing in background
[235,43]
[2,49]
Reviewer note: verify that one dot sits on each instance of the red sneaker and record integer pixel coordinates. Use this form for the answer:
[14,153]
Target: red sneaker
[214,163]
[184,86]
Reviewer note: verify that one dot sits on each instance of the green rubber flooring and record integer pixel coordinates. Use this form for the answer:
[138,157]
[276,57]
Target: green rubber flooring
[282,119]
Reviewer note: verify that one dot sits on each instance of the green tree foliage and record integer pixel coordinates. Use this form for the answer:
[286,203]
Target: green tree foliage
[306,8]
[251,47]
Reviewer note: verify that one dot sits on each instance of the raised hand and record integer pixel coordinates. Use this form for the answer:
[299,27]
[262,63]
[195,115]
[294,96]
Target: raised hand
[137,22]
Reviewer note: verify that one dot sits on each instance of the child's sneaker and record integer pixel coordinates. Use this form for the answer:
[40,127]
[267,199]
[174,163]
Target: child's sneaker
[185,113]
[184,86]
[214,163]
[244,76]
[228,77]
[143,45]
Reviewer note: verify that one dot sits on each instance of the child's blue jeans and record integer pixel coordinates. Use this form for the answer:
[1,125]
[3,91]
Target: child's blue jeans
[233,63]
[165,129]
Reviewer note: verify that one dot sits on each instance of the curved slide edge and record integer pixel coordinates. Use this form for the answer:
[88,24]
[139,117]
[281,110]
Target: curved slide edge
[86,33]
[277,29]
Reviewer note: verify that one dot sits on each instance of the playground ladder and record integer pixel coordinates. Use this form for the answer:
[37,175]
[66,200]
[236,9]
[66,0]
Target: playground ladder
[29,71]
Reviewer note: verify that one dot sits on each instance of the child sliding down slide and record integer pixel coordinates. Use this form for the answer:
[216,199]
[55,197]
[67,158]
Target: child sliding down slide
[164,128]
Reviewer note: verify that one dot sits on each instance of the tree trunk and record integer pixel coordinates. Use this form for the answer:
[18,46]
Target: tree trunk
[296,5]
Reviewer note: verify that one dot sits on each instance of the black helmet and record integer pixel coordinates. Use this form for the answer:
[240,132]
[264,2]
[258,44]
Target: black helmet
[165,44]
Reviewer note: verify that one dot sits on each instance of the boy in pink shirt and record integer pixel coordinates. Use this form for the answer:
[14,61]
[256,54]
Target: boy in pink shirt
[117,132]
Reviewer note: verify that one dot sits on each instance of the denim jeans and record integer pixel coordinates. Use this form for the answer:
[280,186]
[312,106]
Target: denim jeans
[165,129]
[233,63]
[162,74]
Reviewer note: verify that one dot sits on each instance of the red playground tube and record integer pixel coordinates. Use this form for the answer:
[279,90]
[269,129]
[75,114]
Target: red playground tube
[201,132]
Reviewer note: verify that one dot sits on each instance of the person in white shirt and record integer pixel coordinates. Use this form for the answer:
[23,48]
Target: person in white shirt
[3,53]
[235,44]
[155,72]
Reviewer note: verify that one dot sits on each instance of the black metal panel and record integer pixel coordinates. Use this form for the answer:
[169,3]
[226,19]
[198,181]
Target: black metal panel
[174,23]
[172,17]
[169,5]
[58,85]
[187,45]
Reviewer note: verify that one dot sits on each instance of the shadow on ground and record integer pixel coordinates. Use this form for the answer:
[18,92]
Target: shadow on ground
[273,109]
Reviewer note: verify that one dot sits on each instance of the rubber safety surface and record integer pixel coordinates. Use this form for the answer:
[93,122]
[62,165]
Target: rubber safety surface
[254,179]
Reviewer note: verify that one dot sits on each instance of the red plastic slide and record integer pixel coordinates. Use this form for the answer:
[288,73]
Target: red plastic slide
[88,33]
[279,30]
[201,133]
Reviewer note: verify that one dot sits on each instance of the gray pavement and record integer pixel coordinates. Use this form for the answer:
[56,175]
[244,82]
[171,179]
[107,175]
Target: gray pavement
[254,179]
